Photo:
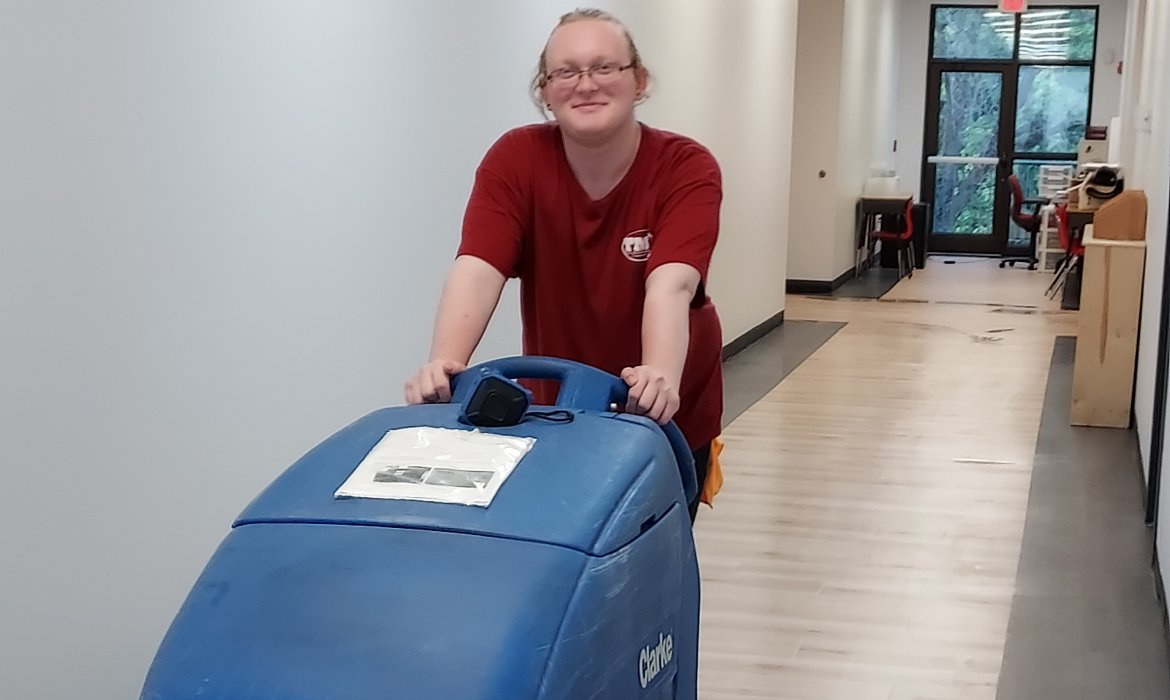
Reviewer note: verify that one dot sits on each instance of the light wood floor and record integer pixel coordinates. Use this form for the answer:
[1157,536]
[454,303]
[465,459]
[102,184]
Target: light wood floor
[864,546]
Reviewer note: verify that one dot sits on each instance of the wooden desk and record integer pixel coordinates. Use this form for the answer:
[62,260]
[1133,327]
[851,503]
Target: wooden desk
[1077,218]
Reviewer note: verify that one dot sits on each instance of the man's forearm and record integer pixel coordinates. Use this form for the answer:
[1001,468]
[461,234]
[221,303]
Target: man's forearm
[666,332]
[469,298]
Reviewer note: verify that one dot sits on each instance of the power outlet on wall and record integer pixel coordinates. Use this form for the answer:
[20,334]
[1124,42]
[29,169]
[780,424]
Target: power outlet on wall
[1143,118]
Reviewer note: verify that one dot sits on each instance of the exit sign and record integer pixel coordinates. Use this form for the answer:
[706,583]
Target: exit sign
[1013,5]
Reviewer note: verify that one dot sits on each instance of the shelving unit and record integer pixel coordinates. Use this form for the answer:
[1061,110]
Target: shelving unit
[1048,250]
[1053,181]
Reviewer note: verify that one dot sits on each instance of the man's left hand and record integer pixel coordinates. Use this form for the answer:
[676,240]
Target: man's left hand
[652,393]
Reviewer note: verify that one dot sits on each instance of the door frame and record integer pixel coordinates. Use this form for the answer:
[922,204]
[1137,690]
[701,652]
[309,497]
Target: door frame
[996,241]
[1010,68]
[1161,398]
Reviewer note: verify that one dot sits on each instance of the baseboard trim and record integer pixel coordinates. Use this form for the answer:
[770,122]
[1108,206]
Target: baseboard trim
[808,287]
[744,341]
[818,286]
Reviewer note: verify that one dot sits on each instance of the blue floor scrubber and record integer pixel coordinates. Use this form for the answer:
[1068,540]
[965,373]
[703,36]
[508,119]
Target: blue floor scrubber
[579,579]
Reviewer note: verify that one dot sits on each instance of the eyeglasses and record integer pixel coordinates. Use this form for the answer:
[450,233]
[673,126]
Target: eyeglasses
[602,73]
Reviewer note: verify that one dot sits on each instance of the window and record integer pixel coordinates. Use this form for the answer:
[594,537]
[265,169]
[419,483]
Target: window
[1045,34]
[1058,34]
[966,33]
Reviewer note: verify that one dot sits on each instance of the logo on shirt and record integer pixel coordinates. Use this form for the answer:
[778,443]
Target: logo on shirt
[636,245]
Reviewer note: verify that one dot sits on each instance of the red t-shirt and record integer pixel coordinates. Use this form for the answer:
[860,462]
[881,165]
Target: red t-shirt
[583,264]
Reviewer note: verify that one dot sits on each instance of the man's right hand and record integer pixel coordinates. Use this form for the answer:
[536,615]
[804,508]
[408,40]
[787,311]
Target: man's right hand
[432,383]
[469,297]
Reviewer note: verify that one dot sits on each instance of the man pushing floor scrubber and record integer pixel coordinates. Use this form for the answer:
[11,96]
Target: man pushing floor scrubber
[610,226]
[499,538]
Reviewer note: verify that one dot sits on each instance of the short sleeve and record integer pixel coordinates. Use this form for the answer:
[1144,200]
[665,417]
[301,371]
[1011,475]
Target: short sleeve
[688,221]
[497,209]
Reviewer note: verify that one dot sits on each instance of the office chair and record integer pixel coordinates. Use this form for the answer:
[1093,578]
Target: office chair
[1074,251]
[1029,222]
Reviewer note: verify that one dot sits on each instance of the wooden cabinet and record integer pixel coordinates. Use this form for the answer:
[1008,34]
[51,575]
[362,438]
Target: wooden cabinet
[1113,271]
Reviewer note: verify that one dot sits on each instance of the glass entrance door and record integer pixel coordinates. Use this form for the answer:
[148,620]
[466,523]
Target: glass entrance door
[964,171]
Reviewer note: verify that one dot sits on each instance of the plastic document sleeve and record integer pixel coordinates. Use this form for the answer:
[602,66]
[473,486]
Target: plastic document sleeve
[441,465]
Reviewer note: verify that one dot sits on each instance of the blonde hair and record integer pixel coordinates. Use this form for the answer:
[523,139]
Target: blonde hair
[579,15]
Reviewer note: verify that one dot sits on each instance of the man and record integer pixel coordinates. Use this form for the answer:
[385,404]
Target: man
[610,226]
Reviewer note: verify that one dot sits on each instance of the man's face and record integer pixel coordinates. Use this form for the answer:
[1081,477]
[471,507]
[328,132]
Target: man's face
[591,106]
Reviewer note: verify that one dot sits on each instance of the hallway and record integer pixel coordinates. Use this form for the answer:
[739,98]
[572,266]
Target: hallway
[866,542]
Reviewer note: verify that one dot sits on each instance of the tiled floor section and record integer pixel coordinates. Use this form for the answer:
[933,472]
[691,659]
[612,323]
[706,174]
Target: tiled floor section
[1085,621]
[751,374]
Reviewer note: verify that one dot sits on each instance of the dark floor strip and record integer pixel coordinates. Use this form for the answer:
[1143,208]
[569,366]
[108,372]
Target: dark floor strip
[873,284]
[747,339]
[757,369]
[1085,621]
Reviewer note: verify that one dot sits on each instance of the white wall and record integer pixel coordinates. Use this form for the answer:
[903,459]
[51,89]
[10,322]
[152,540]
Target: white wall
[1151,170]
[1134,50]
[725,76]
[846,91]
[915,19]
[811,247]
[869,89]
[223,228]
[1147,121]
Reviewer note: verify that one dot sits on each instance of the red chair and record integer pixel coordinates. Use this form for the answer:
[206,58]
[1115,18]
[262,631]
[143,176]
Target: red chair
[1030,223]
[901,239]
[1074,250]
